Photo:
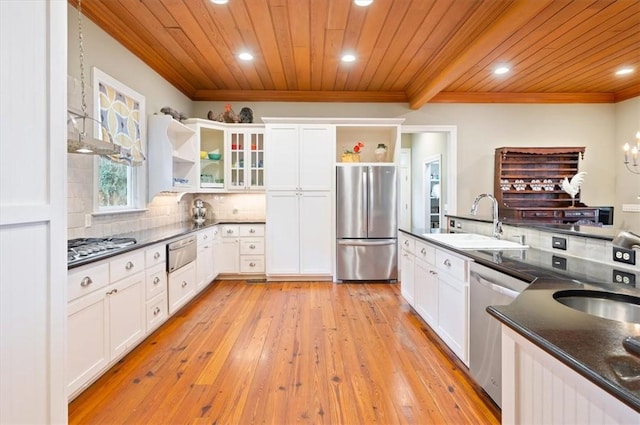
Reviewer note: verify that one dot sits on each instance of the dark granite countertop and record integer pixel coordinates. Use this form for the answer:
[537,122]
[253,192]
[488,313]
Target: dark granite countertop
[590,345]
[155,235]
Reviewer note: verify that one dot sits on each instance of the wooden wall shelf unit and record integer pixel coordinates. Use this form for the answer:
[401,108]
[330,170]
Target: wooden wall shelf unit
[528,185]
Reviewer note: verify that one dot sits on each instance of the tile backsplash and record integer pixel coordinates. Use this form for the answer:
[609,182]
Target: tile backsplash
[163,210]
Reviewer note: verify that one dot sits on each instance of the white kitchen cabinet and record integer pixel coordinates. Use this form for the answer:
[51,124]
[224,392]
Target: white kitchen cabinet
[251,249]
[127,318]
[426,283]
[105,315]
[299,183]
[407,268]
[539,389]
[300,157]
[181,286]
[227,254]
[156,310]
[453,302]
[246,165]
[172,155]
[210,137]
[217,250]
[204,260]
[299,237]
[87,339]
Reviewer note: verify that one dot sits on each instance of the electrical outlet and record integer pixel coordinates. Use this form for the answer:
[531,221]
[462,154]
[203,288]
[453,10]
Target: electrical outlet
[624,277]
[452,223]
[559,243]
[559,263]
[87,220]
[623,255]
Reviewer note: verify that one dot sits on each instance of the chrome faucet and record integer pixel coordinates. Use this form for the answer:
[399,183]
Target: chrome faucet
[497,225]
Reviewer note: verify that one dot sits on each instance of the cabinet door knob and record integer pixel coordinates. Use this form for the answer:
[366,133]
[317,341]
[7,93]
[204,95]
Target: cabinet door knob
[229,231]
[156,311]
[423,251]
[205,236]
[406,243]
[447,262]
[156,255]
[252,230]
[184,284]
[156,280]
[86,281]
[129,265]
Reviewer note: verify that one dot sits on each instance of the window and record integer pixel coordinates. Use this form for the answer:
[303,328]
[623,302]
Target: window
[119,185]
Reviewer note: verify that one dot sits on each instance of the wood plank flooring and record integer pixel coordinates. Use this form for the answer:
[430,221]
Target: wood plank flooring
[288,353]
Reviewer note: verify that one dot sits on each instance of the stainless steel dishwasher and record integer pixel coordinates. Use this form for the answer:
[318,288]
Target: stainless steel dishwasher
[488,287]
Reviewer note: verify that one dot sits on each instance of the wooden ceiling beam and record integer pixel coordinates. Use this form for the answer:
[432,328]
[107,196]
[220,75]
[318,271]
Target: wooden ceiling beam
[505,97]
[517,15]
[299,96]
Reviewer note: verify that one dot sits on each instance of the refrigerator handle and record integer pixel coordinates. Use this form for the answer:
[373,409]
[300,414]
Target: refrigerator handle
[361,242]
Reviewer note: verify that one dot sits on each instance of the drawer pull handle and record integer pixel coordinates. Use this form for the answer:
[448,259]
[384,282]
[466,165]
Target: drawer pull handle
[184,284]
[86,281]
[113,291]
[423,251]
[156,311]
[406,243]
[129,265]
[252,264]
[447,263]
[252,230]
[252,246]
[156,255]
[156,280]
[432,272]
[205,236]
[229,231]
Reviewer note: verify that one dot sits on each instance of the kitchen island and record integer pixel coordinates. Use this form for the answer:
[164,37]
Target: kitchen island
[588,345]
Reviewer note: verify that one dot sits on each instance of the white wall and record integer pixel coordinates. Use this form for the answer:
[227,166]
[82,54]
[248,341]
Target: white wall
[627,184]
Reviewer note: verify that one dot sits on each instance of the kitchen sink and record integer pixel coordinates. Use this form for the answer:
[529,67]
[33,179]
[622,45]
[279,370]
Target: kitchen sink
[472,241]
[608,305]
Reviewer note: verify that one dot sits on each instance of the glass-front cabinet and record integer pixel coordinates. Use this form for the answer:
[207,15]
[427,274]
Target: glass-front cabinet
[245,158]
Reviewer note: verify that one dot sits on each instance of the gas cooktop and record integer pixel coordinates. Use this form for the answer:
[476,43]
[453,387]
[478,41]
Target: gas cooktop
[85,248]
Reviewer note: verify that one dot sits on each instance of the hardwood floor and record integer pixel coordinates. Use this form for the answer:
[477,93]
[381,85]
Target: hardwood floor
[285,353]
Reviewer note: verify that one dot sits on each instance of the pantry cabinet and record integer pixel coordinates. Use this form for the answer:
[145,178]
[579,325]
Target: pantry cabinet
[173,155]
[299,184]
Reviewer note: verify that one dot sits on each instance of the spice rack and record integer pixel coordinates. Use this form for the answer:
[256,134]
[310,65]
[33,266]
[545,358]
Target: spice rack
[528,185]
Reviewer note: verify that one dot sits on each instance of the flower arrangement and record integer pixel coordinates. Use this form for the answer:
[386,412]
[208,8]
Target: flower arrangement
[356,148]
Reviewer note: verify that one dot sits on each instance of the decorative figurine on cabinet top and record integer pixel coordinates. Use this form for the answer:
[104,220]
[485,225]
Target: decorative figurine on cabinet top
[246,115]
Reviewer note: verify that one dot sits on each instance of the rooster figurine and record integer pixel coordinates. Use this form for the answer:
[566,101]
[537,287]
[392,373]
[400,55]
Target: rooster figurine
[572,187]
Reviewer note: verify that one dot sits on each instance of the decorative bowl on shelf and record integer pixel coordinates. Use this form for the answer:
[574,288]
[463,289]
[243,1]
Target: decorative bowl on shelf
[203,155]
[214,156]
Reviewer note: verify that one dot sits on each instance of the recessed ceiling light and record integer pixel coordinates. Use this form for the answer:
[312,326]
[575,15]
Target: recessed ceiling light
[501,70]
[245,56]
[219,1]
[624,71]
[348,57]
[363,2]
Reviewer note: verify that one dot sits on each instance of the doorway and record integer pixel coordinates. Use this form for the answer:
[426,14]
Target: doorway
[425,142]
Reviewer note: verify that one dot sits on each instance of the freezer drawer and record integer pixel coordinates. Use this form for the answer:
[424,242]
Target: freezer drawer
[365,259]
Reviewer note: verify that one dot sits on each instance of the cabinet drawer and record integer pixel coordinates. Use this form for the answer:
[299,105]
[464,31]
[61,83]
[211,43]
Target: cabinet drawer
[126,265]
[425,252]
[540,214]
[407,243]
[230,231]
[580,213]
[155,255]
[252,265]
[251,246]
[454,266]
[156,312]
[181,286]
[252,230]
[156,281]
[205,238]
[86,280]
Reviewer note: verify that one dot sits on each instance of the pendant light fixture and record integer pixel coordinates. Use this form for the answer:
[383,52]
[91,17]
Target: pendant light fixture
[79,125]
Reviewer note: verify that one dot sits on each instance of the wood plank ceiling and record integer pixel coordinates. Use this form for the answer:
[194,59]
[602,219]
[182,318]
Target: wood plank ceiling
[413,51]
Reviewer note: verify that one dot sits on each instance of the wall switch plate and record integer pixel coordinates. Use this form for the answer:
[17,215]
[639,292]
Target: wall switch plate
[559,243]
[559,263]
[624,277]
[623,255]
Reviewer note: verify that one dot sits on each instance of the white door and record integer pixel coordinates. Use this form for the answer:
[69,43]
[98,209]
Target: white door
[316,237]
[283,233]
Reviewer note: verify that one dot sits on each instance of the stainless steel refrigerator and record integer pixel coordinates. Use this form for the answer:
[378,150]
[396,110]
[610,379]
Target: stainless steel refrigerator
[366,222]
